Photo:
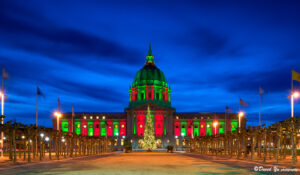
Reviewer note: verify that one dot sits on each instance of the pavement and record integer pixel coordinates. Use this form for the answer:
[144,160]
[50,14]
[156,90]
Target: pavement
[144,163]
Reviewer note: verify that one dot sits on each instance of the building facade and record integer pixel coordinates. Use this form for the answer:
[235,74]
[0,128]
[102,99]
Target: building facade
[149,88]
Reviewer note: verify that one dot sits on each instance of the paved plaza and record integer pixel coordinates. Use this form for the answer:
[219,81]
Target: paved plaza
[131,164]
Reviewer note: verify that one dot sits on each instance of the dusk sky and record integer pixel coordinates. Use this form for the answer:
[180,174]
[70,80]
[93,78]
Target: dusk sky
[88,52]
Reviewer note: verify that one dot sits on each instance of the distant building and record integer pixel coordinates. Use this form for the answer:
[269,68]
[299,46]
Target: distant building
[149,88]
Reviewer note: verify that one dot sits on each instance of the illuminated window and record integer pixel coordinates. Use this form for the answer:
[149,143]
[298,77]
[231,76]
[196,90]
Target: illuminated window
[141,126]
[122,142]
[84,117]
[97,117]
[232,126]
[78,125]
[116,142]
[116,126]
[177,117]
[91,117]
[122,126]
[177,142]
[66,126]
[90,126]
[84,126]
[201,126]
[183,143]
[103,117]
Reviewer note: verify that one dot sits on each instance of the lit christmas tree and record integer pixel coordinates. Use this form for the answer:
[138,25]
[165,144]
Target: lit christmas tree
[149,138]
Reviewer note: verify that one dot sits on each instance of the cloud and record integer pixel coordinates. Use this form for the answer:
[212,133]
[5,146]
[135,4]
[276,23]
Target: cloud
[59,43]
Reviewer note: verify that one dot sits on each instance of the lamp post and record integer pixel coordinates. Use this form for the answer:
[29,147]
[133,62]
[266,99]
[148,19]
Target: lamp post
[2,121]
[215,125]
[293,96]
[241,114]
[57,114]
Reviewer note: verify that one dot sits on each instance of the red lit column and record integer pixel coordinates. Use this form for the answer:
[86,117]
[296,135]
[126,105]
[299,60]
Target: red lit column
[177,127]
[96,128]
[228,125]
[109,128]
[189,125]
[140,124]
[202,127]
[159,124]
[83,127]
[70,125]
[215,127]
[122,127]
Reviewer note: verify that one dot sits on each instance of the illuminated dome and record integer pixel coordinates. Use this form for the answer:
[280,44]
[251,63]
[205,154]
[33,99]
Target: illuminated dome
[149,85]
[149,74]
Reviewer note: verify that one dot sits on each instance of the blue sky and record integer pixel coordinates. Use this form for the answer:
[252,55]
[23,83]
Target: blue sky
[87,53]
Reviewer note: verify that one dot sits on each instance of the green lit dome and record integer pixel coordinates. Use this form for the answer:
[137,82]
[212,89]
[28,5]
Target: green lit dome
[149,74]
[149,85]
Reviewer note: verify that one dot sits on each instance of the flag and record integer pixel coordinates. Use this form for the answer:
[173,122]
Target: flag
[4,74]
[228,110]
[295,75]
[261,91]
[243,103]
[39,92]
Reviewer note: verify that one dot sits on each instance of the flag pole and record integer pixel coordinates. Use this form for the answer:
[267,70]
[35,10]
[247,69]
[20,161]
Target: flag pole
[36,114]
[259,115]
[292,81]
[72,117]
[2,113]
[225,120]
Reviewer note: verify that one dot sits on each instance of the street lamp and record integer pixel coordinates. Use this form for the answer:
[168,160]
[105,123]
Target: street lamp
[215,125]
[57,115]
[241,114]
[2,121]
[294,95]
[46,139]
[42,135]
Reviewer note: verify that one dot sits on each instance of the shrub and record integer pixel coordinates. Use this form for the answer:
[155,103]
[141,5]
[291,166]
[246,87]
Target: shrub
[170,148]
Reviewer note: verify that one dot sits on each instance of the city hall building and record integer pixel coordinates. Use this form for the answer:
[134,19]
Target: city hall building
[149,88]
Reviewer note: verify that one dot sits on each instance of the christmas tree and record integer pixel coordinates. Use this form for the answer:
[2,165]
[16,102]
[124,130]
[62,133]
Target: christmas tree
[149,138]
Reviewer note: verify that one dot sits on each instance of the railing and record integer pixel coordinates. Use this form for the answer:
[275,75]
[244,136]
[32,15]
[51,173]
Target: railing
[276,142]
[27,143]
